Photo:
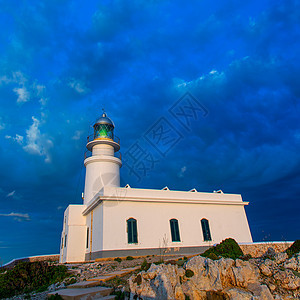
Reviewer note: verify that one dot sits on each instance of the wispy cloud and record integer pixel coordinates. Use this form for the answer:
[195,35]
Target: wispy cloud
[37,143]
[77,135]
[78,86]
[17,216]
[11,194]
[182,171]
[18,138]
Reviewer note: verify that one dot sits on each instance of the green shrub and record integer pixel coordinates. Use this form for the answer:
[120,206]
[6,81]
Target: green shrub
[138,279]
[189,273]
[145,265]
[129,258]
[118,259]
[213,256]
[119,295]
[180,263]
[227,248]
[26,277]
[293,249]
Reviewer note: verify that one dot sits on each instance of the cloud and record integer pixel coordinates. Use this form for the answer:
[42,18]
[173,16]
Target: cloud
[18,138]
[17,216]
[182,171]
[78,86]
[37,143]
[11,194]
[77,135]
[23,94]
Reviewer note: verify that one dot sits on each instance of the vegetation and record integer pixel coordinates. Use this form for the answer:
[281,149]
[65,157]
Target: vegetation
[189,273]
[118,259]
[293,249]
[26,277]
[120,295]
[227,248]
[145,265]
[129,258]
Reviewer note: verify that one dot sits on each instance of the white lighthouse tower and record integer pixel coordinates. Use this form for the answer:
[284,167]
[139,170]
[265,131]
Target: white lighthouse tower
[102,167]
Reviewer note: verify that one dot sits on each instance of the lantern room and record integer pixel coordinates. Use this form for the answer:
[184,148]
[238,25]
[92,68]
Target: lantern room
[104,128]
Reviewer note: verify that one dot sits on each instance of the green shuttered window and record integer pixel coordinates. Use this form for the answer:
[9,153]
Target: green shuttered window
[175,230]
[205,230]
[132,231]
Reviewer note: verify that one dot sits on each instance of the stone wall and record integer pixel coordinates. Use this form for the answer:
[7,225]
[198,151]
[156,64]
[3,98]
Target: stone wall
[258,249]
[12,263]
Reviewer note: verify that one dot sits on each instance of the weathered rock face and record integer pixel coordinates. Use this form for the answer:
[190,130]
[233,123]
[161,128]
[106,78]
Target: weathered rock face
[202,278]
[293,263]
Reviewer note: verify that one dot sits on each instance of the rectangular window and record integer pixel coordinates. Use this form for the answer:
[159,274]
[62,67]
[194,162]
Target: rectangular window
[132,231]
[87,237]
[175,230]
[205,230]
[65,240]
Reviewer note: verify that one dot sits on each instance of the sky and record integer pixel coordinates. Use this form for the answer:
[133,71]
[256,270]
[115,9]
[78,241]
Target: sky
[218,81]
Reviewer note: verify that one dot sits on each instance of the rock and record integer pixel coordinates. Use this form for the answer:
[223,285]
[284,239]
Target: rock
[293,263]
[163,279]
[61,286]
[245,273]
[270,253]
[206,274]
[226,272]
[235,293]
[272,287]
[52,287]
[265,270]
[280,257]
[179,292]
[287,279]
[204,279]
[261,291]
[267,267]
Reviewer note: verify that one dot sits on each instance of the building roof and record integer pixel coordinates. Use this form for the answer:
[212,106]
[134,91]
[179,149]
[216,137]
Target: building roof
[109,193]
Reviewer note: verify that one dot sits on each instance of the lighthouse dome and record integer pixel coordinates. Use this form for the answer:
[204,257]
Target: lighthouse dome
[104,120]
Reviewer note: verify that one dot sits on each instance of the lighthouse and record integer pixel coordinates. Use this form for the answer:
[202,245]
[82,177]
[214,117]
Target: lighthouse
[115,221]
[102,167]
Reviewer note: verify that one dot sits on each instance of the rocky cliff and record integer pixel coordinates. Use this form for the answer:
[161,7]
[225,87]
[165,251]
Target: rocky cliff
[272,276]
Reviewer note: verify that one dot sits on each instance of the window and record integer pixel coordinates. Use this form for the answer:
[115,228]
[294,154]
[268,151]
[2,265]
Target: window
[175,230]
[87,237]
[65,240]
[132,231]
[205,230]
[62,243]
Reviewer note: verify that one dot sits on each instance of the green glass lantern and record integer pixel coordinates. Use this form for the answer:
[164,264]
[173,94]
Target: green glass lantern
[104,128]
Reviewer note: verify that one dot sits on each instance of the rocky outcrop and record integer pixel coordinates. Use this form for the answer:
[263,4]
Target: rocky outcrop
[200,278]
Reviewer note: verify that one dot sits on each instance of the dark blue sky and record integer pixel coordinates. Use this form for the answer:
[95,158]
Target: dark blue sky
[61,61]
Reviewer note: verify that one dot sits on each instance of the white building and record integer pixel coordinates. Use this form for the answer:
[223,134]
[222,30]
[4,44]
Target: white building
[116,221]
